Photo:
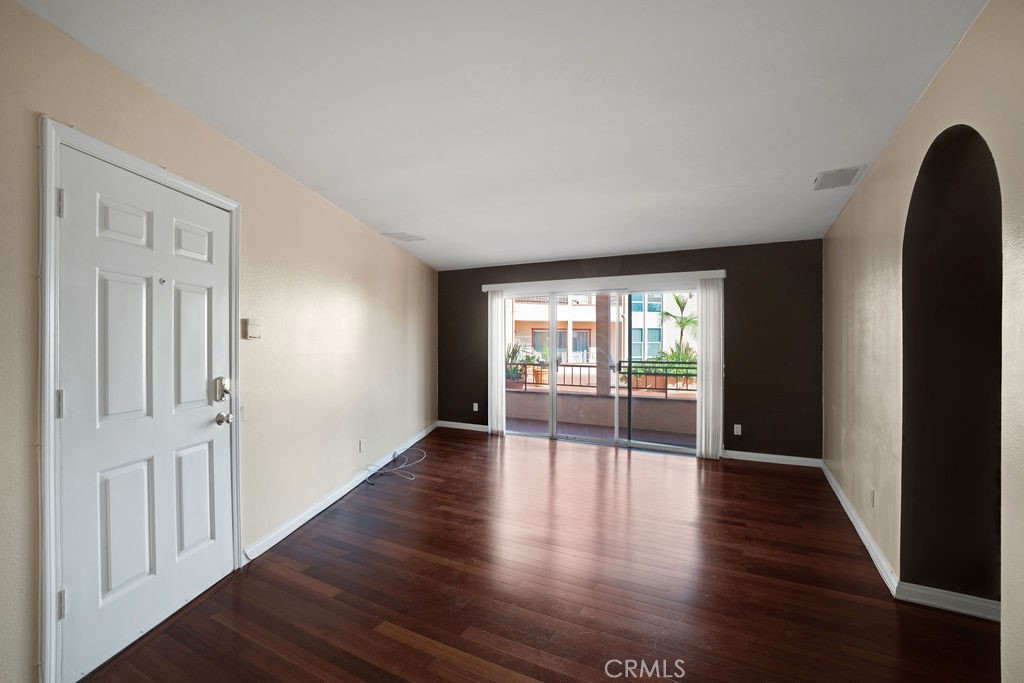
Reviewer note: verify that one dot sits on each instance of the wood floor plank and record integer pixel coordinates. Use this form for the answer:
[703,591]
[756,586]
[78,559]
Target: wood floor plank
[540,657]
[471,663]
[518,559]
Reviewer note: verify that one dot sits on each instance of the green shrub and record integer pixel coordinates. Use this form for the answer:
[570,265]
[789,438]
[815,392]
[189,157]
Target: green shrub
[512,359]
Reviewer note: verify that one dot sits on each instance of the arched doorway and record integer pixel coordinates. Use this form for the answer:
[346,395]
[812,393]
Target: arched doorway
[952,299]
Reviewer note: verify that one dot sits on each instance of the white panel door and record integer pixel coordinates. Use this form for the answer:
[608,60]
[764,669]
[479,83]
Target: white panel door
[144,469]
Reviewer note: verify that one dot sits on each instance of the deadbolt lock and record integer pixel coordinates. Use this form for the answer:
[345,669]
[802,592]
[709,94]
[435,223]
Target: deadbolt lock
[221,388]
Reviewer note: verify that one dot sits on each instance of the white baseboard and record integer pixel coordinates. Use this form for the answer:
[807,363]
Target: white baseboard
[948,600]
[776,459]
[877,556]
[885,569]
[273,538]
[901,590]
[462,425]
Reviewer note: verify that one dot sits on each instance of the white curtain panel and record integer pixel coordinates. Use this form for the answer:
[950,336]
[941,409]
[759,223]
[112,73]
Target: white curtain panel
[710,366]
[496,362]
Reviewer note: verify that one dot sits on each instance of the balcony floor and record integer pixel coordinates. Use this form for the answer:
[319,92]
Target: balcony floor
[599,432]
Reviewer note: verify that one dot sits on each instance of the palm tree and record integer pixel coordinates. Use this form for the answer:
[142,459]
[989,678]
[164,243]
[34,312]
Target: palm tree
[682,320]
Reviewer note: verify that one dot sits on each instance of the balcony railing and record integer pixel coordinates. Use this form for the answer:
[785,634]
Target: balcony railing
[659,375]
[648,375]
[537,374]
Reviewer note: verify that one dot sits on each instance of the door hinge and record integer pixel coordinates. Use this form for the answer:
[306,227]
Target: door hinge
[61,602]
[60,403]
[60,202]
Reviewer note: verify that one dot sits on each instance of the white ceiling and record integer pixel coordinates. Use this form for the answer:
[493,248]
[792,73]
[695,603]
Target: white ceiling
[530,130]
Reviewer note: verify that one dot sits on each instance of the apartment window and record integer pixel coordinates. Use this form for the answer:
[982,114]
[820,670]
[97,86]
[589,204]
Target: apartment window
[654,302]
[580,345]
[636,303]
[653,341]
[637,343]
[540,343]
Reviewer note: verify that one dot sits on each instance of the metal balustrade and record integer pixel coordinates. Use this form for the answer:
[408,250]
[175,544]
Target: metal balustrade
[660,375]
[648,375]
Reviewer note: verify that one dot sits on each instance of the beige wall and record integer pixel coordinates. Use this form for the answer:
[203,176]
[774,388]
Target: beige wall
[981,85]
[349,347]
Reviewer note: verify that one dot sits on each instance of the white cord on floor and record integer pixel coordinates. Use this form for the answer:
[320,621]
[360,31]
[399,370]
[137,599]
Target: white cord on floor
[392,468]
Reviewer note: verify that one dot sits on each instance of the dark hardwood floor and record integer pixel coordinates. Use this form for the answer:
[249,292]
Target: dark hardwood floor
[517,559]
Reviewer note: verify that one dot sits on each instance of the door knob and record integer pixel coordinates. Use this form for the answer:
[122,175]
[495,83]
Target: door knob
[224,417]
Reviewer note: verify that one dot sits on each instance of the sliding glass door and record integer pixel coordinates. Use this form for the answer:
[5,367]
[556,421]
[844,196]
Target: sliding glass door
[608,367]
[586,391]
[561,354]
[527,366]
[659,372]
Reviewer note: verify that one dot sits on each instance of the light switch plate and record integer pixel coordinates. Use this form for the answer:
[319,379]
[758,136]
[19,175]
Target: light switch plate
[253,329]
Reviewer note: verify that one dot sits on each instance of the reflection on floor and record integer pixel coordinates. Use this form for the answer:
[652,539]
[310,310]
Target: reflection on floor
[515,559]
[599,432]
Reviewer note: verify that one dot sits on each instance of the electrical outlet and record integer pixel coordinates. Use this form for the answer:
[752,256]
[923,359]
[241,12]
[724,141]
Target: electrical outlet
[476,407]
[737,430]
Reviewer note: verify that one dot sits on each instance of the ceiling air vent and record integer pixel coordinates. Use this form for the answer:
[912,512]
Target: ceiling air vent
[840,177]
[404,236]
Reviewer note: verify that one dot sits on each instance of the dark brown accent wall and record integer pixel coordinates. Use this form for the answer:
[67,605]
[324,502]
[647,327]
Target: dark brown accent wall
[773,336]
[952,339]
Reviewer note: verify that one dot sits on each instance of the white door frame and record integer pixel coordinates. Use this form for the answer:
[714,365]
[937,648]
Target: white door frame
[53,136]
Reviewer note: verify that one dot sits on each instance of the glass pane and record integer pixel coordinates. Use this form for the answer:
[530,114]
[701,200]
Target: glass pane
[540,341]
[562,348]
[637,303]
[653,341]
[527,406]
[662,408]
[580,346]
[586,386]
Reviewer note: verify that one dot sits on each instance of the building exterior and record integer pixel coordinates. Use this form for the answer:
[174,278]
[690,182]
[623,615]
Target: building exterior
[650,331]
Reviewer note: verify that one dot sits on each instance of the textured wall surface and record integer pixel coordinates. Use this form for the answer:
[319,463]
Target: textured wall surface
[981,85]
[349,349]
